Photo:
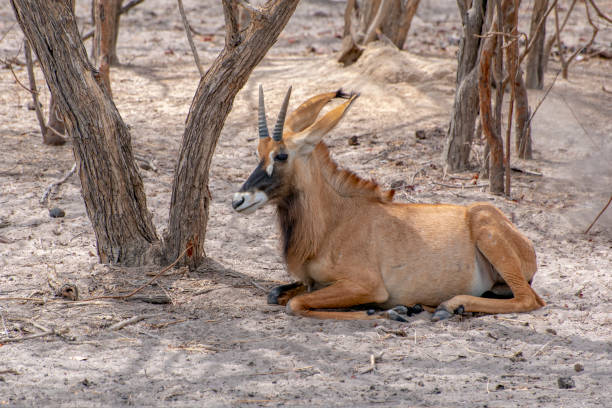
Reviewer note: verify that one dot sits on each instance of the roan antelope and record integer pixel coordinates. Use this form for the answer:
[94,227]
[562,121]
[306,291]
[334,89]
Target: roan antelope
[347,243]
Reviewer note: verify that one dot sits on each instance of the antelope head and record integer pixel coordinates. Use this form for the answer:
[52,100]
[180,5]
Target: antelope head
[290,143]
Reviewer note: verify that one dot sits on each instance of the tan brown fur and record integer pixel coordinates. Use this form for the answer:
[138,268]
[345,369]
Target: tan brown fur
[346,238]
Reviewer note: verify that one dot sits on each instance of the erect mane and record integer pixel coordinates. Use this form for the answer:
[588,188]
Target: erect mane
[347,183]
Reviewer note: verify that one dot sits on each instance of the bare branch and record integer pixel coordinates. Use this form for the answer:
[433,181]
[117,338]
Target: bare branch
[190,38]
[599,13]
[33,91]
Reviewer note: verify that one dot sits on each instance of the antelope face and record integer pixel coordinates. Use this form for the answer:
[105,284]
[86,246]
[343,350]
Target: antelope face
[273,176]
[267,180]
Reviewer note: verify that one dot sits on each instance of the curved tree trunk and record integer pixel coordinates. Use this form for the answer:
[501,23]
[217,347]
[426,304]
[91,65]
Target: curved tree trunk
[210,106]
[458,144]
[111,186]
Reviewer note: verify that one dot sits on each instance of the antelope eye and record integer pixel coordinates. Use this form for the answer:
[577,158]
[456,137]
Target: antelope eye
[281,157]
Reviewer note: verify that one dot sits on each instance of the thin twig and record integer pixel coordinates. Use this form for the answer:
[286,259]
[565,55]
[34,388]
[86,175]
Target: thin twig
[132,293]
[25,299]
[190,38]
[10,66]
[47,192]
[598,215]
[33,91]
[599,13]
[28,337]
[7,32]
[460,186]
[542,100]
[541,349]
[120,325]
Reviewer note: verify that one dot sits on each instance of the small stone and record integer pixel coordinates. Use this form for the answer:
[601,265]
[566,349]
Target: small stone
[551,331]
[56,212]
[578,367]
[500,387]
[420,134]
[353,141]
[566,383]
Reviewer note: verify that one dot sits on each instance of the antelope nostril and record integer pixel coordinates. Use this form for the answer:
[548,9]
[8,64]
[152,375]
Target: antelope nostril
[237,203]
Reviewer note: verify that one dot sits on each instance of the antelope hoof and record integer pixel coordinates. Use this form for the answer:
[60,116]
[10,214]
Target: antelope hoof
[278,291]
[392,314]
[440,314]
[274,295]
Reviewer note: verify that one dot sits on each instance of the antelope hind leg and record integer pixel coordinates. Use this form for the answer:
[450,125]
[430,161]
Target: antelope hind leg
[280,295]
[509,252]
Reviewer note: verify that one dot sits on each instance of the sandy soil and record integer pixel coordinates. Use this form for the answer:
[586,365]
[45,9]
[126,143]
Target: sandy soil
[217,343]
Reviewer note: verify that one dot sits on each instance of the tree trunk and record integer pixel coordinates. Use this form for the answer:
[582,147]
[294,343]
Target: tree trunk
[210,106]
[494,139]
[535,58]
[458,144]
[55,127]
[111,186]
[106,21]
[366,20]
[523,127]
[397,25]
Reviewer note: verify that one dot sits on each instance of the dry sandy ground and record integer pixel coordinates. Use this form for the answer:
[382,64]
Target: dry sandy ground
[217,343]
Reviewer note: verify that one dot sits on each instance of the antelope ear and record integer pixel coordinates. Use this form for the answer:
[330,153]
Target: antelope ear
[307,112]
[305,141]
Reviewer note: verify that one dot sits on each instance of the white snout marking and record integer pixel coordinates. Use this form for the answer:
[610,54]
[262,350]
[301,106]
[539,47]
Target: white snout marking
[252,201]
[270,168]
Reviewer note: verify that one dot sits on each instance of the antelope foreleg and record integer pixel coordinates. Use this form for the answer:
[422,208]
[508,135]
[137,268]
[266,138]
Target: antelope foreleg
[340,294]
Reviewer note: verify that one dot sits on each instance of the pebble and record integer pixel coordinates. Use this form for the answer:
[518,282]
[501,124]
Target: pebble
[566,383]
[56,212]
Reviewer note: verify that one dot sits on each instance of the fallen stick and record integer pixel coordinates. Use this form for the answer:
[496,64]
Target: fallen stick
[120,325]
[598,215]
[47,192]
[460,186]
[28,337]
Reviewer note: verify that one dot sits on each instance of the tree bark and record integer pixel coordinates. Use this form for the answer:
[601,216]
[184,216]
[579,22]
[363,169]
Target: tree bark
[494,139]
[210,106]
[535,58]
[458,144]
[366,20]
[106,20]
[111,186]
[523,126]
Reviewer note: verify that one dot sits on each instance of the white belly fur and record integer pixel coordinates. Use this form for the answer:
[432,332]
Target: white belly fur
[482,278]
